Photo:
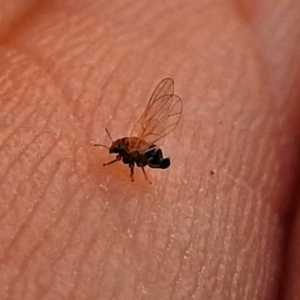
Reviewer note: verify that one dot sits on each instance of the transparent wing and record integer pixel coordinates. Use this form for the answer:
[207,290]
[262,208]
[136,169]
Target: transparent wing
[165,87]
[160,117]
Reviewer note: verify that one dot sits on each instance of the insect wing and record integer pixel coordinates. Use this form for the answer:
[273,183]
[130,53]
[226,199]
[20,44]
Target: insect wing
[165,87]
[158,120]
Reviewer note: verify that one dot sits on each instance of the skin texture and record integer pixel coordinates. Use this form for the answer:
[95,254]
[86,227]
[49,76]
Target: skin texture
[222,222]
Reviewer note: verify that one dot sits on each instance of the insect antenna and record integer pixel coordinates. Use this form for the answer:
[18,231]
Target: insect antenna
[100,145]
[108,134]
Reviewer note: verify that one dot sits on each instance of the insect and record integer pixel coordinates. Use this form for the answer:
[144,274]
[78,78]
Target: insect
[161,116]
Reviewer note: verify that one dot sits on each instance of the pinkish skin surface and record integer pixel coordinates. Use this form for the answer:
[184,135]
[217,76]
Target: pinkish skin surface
[71,229]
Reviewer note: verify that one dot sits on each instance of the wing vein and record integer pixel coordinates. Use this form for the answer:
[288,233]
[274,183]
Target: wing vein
[161,116]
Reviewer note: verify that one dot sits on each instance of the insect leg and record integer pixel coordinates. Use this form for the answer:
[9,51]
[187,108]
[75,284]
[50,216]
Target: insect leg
[131,166]
[145,174]
[113,161]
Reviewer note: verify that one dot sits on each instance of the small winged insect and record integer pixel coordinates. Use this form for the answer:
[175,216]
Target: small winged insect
[141,148]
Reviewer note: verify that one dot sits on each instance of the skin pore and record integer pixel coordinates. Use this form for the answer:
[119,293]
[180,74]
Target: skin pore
[221,223]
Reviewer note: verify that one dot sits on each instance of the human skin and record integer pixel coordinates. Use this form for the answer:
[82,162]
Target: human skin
[221,223]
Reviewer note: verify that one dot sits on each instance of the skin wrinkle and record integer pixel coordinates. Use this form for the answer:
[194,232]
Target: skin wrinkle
[41,104]
[21,230]
[47,235]
[123,92]
[73,290]
[178,275]
[72,234]
[121,186]
[100,274]
[123,95]
[9,136]
[63,251]
[30,174]
[38,246]
[73,231]
[189,247]
[30,216]
[80,267]
[105,84]
[196,280]
[78,97]
[42,65]
[180,257]
[23,151]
